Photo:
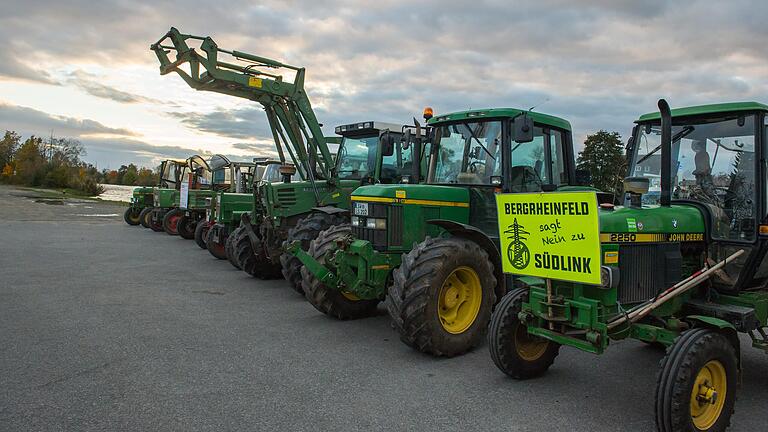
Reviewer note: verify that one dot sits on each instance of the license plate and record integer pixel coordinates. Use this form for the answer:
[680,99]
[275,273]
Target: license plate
[361,209]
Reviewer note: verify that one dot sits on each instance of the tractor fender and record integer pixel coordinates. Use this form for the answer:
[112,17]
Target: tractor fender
[330,210]
[722,326]
[469,232]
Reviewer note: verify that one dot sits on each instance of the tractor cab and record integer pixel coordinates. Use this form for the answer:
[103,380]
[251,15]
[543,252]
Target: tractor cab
[201,172]
[172,172]
[228,176]
[715,185]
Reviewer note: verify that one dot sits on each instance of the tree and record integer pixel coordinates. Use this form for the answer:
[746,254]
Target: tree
[603,157]
[8,146]
[30,162]
[131,175]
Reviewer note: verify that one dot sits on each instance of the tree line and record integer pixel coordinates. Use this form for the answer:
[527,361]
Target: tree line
[57,163]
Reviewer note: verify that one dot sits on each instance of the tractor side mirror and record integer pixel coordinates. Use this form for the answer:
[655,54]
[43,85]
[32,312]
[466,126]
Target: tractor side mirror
[523,128]
[387,142]
[583,177]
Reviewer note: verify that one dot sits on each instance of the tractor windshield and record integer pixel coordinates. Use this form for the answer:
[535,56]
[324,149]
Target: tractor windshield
[470,153]
[357,157]
[467,153]
[713,162]
[170,174]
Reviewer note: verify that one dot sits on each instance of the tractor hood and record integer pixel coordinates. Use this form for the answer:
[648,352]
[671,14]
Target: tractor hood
[651,224]
[415,194]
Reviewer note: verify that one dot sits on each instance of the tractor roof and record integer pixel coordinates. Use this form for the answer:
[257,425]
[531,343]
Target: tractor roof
[501,112]
[707,109]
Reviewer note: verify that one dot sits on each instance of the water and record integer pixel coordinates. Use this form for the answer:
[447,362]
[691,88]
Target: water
[117,192]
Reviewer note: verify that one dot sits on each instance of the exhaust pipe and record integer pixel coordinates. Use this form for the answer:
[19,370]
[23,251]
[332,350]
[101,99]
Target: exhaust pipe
[666,153]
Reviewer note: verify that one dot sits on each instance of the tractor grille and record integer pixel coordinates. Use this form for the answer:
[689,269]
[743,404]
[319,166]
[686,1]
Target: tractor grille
[377,238]
[147,200]
[395,227]
[286,197]
[646,270]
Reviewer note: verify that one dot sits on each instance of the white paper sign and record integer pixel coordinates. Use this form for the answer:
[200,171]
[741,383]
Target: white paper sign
[184,198]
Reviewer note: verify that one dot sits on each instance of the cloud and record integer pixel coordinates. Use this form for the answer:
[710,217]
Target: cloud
[241,123]
[32,121]
[89,83]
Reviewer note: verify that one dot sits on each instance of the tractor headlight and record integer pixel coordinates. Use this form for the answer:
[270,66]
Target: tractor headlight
[609,277]
[208,202]
[355,221]
[376,223]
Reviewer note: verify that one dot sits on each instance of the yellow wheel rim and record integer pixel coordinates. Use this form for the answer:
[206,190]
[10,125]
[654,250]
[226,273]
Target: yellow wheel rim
[529,348]
[350,296]
[459,300]
[708,395]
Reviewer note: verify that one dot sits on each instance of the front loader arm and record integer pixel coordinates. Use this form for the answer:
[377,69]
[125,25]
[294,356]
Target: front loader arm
[288,99]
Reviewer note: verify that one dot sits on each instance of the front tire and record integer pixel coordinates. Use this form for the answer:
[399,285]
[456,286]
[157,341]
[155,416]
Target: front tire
[306,230]
[156,220]
[201,233]
[215,248]
[514,351]
[442,296]
[186,226]
[253,259]
[131,216]
[697,383]
[171,222]
[331,301]
[145,217]
[229,246]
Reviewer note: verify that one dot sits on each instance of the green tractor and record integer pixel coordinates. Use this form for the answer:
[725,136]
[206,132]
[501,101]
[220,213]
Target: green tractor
[684,265]
[171,173]
[226,176]
[141,198]
[226,209]
[194,186]
[429,248]
[287,210]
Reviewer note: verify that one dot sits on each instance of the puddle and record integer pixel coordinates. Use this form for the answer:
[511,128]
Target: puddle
[96,215]
[50,201]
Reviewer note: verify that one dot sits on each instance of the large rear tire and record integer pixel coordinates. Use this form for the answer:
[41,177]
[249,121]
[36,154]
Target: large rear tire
[156,220]
[306,230]
[215,248]
[145,217]
[131,216]
[201,233]
[171,222]
[333,302]
[186,226]
[441,299]
[253,260]
[697,383]
[513,350]
[229,246]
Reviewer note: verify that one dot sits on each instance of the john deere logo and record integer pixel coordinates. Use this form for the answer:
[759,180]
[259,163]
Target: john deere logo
[517,252]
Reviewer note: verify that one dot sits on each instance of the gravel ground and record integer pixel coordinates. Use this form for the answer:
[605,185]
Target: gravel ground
[104,326]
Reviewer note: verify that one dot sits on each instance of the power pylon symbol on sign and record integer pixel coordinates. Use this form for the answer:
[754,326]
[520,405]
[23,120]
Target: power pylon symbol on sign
[517,251]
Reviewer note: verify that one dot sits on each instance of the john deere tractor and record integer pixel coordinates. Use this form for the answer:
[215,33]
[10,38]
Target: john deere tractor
[171,172]
[141,198]
[226,208]
[194,186]
[429,248]
[322,197]
[684,266]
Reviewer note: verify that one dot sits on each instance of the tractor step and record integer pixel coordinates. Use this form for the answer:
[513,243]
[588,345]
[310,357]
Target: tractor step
[760,338]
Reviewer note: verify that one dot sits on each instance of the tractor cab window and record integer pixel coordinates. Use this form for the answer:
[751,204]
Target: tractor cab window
[467,153]
[357,157]
[713,162]
[170,174]
[398,164]
[530,169]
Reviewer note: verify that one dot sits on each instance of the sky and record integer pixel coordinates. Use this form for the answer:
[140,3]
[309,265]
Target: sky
[83,69]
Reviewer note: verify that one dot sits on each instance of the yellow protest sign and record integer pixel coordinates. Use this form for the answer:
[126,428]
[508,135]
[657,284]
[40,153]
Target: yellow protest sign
[553,235]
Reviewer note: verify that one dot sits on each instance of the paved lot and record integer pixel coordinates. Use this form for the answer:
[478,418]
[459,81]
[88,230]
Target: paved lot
[104,326]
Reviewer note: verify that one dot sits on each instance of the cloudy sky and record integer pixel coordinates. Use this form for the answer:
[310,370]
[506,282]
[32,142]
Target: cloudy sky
[83,68]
